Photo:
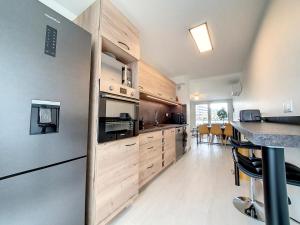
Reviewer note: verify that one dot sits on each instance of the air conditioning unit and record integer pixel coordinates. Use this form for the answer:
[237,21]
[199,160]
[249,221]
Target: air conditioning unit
[237,89]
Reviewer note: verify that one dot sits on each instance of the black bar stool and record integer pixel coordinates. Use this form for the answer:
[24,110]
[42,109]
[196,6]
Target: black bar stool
[248,205]
[252,166]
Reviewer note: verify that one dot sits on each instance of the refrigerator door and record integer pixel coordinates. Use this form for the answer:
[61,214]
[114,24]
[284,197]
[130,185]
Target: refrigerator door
[27,73]
[53,196]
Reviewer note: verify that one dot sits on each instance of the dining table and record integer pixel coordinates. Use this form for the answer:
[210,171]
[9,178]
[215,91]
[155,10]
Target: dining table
[209,128]
[274,139]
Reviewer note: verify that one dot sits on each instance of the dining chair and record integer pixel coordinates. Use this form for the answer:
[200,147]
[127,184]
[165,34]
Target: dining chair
[203,130]
[228,132]
[216,131]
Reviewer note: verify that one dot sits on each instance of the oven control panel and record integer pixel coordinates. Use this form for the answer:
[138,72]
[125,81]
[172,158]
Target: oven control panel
[117,89]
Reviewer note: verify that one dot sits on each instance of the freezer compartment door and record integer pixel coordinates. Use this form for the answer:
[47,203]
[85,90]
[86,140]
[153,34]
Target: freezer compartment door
[53,196]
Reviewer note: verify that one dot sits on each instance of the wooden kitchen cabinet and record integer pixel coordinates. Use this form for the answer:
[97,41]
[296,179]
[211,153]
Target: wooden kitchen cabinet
[117,29]
[150,153]
[169,147]
[113,170]
[116,177]
[154,83]
[150,137]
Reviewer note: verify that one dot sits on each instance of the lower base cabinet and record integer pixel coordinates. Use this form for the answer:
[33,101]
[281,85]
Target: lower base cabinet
[169,147]
[157,151]
[122,167]
[150,162]
[116,177]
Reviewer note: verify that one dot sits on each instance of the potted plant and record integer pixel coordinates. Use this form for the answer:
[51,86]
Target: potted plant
[222,114]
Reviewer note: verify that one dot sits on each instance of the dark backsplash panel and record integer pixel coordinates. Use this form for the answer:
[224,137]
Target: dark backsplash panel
[148,109]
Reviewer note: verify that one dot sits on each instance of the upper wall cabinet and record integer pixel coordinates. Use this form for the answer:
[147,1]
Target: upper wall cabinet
[154,83]
[118,32]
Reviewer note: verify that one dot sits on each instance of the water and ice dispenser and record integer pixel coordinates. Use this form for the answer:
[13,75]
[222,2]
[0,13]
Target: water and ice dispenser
[44,117]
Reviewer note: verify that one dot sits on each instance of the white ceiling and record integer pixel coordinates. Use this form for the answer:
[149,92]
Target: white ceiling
[167,44]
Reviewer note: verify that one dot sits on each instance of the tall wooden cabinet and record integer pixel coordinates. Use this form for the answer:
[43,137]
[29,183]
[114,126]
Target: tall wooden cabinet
[116,170]
[113,168]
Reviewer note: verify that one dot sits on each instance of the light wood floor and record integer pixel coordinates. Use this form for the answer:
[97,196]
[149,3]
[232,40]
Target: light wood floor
[197,190]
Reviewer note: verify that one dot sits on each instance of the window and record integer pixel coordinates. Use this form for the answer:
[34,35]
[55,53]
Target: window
[208,113]
[215,108]
[201,114]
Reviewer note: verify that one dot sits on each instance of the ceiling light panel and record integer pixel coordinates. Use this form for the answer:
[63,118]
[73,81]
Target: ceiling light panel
[202,38]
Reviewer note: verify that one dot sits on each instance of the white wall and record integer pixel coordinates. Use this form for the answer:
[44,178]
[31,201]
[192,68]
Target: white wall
[273,72]
[214,88]
[183,94]
[59,8]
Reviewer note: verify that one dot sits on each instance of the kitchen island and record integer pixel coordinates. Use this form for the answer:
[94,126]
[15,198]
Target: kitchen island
[273,137]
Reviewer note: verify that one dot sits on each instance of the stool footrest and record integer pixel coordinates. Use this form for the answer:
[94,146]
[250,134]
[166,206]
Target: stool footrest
[251,208]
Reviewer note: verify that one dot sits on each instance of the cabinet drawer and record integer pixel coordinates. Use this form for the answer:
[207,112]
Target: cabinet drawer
[115,156]
[150,169]
[116,28]
[150,151]
[150,137]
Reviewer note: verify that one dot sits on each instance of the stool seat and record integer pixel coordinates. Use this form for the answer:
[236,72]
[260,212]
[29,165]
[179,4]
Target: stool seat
[244,144]
[253,168]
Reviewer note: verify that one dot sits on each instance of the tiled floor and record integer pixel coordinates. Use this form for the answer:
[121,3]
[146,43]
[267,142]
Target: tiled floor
[197,190]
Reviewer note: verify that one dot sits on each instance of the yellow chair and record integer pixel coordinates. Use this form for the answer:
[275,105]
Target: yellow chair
[216,130]
[228,132]
[203,130]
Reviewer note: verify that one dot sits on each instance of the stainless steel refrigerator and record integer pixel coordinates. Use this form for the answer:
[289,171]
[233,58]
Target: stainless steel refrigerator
[44,104]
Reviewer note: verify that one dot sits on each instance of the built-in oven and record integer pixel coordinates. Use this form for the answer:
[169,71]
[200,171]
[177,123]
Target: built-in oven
[118,117]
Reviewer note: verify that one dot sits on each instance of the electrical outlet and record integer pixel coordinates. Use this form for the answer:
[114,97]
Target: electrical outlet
[288,106]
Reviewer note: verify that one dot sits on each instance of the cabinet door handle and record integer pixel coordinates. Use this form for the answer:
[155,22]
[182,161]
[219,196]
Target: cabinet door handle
[151,137]
[130,145]
[149,167]
[150,147]
[125,45]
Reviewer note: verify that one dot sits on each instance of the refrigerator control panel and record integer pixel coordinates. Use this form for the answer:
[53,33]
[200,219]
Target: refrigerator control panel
[50,41]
